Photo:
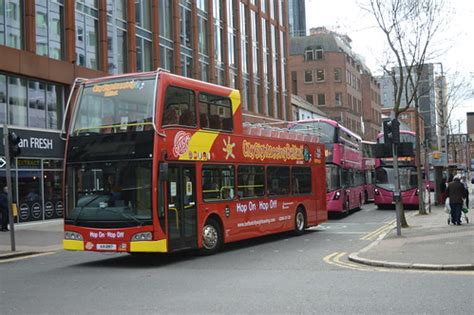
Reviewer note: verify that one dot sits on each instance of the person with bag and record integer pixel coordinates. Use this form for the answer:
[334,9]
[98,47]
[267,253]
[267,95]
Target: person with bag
[456,194]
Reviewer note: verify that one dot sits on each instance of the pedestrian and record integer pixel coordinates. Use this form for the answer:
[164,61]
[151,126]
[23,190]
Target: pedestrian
[442,192]
[456,193]
[464,182]
[4,208]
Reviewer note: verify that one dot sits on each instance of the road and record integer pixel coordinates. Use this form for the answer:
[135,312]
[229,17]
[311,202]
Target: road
[276,274]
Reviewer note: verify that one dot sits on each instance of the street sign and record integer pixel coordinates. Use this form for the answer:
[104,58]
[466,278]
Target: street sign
[2,162]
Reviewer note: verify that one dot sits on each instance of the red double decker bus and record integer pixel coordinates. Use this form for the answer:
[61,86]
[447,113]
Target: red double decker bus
[344,172]
[157,162]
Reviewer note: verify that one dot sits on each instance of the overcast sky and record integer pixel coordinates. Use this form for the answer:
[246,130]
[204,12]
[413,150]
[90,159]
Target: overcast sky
[345,16]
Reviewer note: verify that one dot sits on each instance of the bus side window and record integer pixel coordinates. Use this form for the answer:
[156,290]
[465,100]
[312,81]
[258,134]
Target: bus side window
[218,109]
[179,107]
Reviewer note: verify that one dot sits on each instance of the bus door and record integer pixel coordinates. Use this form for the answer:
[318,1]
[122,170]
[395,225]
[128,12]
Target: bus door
[182,218]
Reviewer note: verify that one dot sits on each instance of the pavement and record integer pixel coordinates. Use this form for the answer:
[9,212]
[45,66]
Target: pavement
[428,243]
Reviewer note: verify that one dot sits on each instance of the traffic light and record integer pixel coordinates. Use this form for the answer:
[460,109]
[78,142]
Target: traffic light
[387,132]
[395,131]
[391,131]
[13,144]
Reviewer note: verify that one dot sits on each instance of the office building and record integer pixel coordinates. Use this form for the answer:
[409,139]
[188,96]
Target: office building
[45,45]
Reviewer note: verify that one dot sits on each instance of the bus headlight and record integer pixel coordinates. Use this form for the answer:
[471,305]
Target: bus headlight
[337,195]
[145,236]
[376,191]
[73,236]
[417,192]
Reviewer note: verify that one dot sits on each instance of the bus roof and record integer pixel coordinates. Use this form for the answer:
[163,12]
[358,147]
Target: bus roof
[331,122]
[159,71]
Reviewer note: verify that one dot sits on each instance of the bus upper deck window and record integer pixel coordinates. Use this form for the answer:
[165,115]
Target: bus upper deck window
[179,107]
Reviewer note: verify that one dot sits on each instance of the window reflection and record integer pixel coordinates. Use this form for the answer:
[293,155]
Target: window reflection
[37,101]
[49,28]
[87,30]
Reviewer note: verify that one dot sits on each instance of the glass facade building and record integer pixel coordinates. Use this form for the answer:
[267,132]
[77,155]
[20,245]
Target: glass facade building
[46,44]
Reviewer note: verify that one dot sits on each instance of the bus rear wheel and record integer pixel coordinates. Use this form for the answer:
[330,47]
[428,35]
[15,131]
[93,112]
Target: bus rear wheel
[211,237]
[300,222]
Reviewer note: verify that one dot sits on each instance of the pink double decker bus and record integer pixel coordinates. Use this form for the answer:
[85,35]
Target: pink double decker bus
[344,172]
[385,177]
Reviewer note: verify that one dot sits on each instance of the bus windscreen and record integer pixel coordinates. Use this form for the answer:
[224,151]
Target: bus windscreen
[114,107]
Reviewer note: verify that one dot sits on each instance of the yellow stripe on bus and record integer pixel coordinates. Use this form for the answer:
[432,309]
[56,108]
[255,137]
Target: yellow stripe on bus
[235,99]
[73,245]
[201,142]
[149,246]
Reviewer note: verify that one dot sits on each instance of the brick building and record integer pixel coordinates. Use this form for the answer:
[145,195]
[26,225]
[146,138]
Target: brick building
[328,74]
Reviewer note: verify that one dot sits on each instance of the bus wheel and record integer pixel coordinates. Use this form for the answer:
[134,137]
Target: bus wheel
[211,237]
[299,222]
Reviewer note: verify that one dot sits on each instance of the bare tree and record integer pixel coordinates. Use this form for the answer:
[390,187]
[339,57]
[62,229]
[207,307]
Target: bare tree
[409,27]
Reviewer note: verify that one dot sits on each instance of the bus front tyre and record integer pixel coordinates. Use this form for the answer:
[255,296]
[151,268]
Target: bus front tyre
[300,222]
[211,237]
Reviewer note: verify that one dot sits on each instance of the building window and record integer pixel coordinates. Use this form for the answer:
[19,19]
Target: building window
[87,31]
[321,99]
[319,52]
[49,29]
[36,104]
[185,24]
[11,23]
[337,74]
[31,103]
[308,76]
[117,36]
[17,102]
[308,55]
[144,35]
[3,99]
[320,75]
[338,99]
[309,99]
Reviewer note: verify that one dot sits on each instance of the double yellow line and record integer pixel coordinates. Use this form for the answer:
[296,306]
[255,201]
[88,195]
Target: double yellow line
[373,235]
[335,259]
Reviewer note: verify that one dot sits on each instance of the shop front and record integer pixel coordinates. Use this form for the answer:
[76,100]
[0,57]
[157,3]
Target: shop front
[36,175]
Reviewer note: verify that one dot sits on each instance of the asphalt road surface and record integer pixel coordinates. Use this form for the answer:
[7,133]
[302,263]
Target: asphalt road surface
[276,274]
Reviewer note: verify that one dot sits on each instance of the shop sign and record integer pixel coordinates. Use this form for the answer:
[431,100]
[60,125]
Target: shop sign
[36,143]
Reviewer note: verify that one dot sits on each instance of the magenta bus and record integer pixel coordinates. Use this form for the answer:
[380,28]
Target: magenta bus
[344,172]
[368,165]
[385,177]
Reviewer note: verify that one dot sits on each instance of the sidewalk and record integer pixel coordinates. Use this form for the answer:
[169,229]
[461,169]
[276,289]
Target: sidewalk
[32,238]
[429,243]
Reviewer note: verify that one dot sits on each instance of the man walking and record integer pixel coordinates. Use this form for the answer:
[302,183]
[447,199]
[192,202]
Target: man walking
[456,193]
[4,209]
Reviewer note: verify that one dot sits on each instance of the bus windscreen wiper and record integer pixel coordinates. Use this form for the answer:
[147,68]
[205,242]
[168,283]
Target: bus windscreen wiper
[128,216]
[82,207]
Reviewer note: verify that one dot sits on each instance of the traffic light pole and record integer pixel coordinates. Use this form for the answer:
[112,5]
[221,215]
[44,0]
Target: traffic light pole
[396,193]
[9,185]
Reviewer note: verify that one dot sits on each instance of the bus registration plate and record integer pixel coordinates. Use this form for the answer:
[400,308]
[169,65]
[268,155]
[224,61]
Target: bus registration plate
[106,246]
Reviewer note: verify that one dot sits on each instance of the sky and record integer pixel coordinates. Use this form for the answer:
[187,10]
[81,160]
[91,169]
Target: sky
[346,17]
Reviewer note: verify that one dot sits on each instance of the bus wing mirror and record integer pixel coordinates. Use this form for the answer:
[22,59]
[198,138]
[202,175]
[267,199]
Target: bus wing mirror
[163,175]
